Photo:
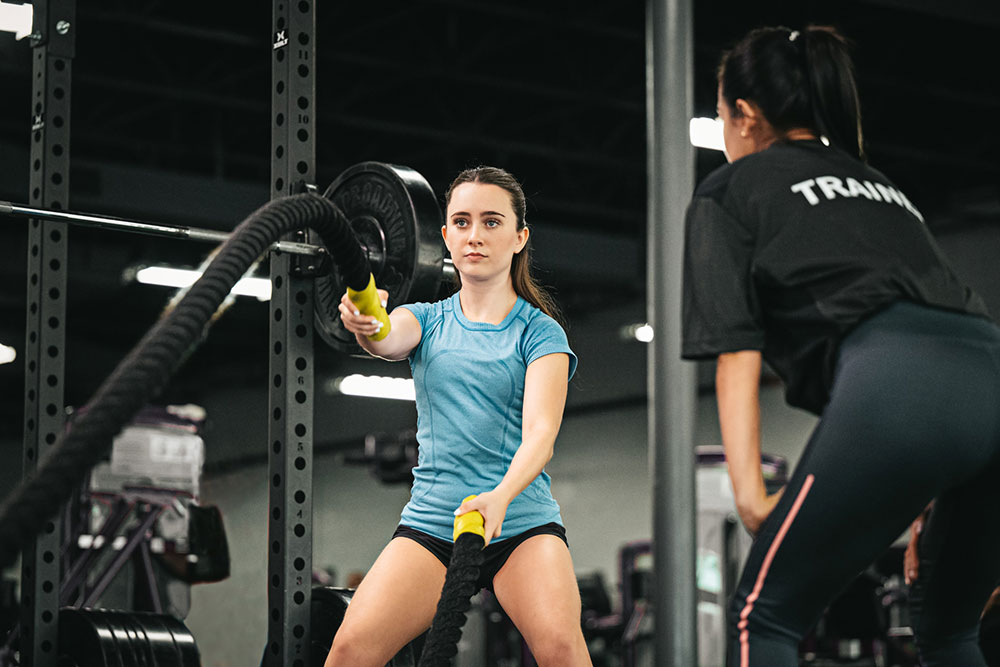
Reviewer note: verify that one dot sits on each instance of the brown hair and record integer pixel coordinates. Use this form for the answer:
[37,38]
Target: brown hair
[520,267]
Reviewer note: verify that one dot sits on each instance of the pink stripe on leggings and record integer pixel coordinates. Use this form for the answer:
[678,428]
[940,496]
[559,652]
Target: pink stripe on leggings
[742,626]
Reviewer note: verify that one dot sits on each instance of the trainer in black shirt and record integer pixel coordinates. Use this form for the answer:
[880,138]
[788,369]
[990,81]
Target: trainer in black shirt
[800,253]
[789,248]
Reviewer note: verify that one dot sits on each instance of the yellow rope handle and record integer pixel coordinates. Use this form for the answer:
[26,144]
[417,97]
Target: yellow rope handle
[368,303]
[470,522]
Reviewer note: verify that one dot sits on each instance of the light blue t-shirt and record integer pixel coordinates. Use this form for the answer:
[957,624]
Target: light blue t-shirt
[469,381]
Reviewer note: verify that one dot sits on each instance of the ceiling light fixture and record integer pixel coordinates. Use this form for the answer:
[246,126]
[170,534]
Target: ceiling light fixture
[641,332]
[707,133]
[373,386]
[7,354]
[168,276]
[16,18]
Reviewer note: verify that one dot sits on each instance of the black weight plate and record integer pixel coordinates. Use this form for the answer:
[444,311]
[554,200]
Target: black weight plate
[84,641]
[160,641]
[396,217]
[172,632]
[137,639]
[184,640]
[113,622]
[110,635]
[132,653]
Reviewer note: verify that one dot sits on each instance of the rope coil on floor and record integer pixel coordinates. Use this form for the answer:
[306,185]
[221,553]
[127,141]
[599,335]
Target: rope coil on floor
[456,596]
[147,369]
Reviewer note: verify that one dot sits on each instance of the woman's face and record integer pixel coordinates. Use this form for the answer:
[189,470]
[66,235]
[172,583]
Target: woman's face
[481,231]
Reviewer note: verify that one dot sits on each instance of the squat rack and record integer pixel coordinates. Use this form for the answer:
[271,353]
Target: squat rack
[291,316]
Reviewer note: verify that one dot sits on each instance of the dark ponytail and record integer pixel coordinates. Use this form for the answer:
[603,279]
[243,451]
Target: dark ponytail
[799,80]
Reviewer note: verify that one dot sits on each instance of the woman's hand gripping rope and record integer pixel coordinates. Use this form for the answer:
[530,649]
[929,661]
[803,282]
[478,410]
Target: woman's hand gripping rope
[459,587]
[364,313]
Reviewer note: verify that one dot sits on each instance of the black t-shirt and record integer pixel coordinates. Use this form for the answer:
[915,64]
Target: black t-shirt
[790,248]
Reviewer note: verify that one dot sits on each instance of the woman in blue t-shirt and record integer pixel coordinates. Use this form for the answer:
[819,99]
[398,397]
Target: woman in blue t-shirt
[490,367]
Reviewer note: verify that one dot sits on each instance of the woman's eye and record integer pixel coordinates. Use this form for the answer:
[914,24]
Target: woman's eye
[492,222]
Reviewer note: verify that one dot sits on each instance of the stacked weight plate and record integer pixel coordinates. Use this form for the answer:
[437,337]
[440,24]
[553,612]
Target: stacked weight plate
[100,638]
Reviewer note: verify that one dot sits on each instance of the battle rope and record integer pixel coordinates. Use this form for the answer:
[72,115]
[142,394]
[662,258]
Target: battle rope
[456,596]
[146,370]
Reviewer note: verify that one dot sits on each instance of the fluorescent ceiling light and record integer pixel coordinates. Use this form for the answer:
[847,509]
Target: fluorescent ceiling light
[640,332]
[7,354]
[373,386]
[707,133]
[172,277]
[16,19]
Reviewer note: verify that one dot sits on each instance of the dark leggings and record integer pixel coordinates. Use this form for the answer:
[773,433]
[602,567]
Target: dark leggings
[914,414]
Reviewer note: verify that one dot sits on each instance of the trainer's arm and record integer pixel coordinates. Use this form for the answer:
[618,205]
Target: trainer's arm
[545,385]
[404,330]
[737,387]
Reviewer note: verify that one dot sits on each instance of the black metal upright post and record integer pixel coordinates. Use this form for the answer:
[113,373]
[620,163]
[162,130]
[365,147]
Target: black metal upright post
[46,334]
[290,413]
[669,95]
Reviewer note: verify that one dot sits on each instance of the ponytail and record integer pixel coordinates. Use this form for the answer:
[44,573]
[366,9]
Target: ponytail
[833,91]
[799,80]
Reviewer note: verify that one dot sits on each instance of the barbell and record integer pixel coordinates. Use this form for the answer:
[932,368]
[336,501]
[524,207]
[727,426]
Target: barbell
[391,209]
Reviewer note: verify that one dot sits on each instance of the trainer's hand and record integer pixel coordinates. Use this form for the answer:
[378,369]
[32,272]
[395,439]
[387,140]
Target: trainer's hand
[355,322]
[493,507]
[754,514]
[911,557]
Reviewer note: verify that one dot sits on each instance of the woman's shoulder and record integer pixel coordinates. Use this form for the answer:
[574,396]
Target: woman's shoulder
[538,322]
[427,311]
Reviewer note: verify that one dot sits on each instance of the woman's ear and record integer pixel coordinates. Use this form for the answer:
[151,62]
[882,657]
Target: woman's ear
[748,117]
[522,239]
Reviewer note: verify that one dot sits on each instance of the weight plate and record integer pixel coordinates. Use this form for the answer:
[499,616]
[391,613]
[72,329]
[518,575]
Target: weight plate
[82,642]
[138,640]
[160,641]
[99,638]
[117,624]
[184,640]
[396,217]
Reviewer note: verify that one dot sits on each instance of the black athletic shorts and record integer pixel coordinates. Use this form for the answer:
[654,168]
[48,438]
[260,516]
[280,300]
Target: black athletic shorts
[494,555]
